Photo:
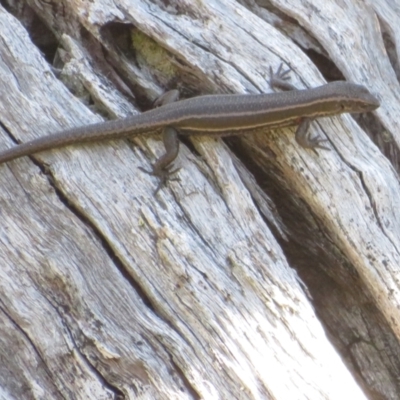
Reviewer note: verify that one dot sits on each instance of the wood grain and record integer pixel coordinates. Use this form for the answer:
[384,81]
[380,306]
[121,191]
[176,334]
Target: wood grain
[106,290]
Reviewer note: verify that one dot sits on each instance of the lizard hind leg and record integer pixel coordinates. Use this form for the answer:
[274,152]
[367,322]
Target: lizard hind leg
[162,168]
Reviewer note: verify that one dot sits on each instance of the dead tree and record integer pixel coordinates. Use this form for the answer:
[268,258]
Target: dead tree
[264,272]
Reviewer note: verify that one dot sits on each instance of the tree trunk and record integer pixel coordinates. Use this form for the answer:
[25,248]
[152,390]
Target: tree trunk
[264,272]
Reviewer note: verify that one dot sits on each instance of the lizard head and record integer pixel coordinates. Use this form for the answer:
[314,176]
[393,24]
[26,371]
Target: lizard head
[352,98]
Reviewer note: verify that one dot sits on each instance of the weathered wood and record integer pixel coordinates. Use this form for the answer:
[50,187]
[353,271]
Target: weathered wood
[106,289]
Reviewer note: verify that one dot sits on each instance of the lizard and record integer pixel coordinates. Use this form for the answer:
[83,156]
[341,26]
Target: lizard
[217,115]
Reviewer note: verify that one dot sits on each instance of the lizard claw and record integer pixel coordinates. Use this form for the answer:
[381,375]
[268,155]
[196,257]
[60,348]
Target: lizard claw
[280,73]
[317,145]
[163,175]
[304,139]
[314,143]
[280,78]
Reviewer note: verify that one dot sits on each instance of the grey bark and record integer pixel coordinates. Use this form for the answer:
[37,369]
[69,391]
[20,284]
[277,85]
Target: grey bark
[108,291]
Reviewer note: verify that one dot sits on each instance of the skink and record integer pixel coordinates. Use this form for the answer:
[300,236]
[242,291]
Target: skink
[218,115]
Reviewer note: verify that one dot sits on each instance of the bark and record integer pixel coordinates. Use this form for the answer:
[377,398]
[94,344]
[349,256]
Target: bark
[263,272]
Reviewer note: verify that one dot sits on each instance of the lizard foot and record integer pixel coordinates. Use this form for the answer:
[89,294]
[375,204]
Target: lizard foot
[164,175]
[280,78]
